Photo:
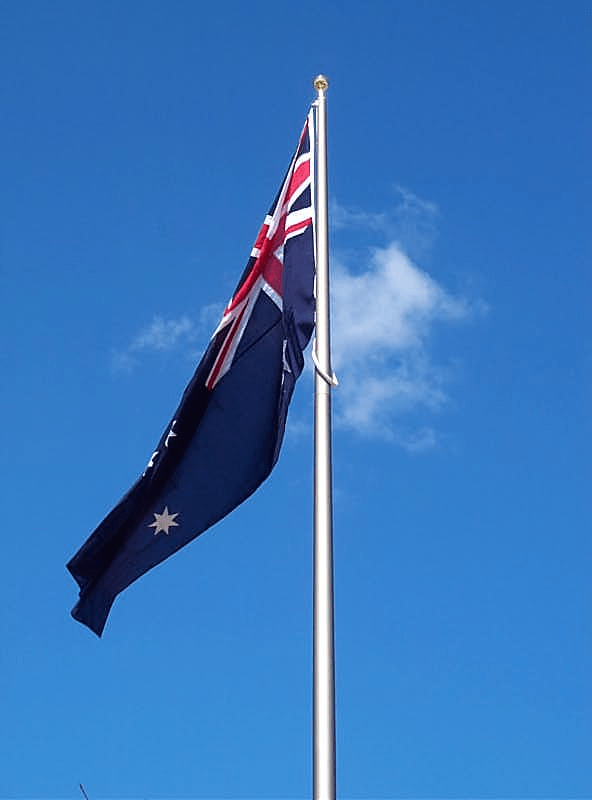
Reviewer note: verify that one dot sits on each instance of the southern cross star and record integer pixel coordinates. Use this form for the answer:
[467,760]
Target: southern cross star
[164,521]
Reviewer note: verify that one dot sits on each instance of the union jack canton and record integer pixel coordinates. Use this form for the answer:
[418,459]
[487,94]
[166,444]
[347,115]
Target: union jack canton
[290,215]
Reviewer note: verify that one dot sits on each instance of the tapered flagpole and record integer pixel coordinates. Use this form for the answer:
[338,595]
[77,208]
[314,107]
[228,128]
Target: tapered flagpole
[323,640]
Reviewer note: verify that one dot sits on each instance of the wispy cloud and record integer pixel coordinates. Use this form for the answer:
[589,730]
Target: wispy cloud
[406,207]
[342,217]
[164,335]
[409,220]
[385,313]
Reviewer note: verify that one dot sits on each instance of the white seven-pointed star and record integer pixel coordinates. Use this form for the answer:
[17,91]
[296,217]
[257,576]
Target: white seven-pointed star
[164,521]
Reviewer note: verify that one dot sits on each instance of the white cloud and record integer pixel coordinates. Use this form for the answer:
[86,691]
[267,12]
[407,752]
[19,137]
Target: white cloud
[342,217]
[383,318]
[410,220]
[385,313]
[388,306]
[159,335]
[163,334]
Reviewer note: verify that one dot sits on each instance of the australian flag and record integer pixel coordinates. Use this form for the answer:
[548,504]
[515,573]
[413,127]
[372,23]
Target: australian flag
[226,434]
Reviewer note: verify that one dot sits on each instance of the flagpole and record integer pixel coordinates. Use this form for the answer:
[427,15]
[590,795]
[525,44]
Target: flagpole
[323,638]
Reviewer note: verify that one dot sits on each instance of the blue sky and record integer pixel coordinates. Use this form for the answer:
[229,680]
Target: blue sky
[142,144]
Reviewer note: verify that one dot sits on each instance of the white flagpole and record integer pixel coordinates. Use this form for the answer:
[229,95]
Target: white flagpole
[323,640]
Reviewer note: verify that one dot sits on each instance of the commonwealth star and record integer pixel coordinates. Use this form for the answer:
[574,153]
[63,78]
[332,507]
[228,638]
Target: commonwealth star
[164,521]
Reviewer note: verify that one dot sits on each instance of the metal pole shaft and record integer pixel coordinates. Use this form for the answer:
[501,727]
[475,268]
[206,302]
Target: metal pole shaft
[323,638]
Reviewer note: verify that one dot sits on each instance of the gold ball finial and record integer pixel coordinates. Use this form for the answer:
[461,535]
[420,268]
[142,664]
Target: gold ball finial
[320,83]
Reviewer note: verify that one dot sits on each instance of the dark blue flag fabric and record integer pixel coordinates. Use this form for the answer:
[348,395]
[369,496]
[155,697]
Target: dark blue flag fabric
[225,436]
